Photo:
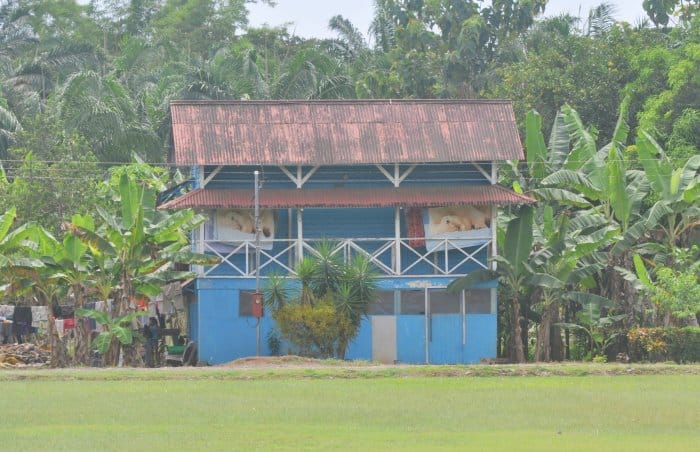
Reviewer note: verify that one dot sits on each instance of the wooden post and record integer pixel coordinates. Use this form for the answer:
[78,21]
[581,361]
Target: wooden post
[300,235]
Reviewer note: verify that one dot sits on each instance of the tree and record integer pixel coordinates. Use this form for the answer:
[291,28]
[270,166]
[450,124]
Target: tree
[443,48]
[52,175]
[675,288]
[138,245]
[191,26]
[558,63]
[677,209]
[101,110]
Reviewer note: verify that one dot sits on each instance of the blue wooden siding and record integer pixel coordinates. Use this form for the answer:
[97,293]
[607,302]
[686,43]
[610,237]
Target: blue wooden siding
[222,335]
[410,338]
[446,340]
[349,176]
[361,346]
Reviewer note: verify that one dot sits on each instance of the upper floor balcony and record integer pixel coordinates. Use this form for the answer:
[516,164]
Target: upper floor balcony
[391,257]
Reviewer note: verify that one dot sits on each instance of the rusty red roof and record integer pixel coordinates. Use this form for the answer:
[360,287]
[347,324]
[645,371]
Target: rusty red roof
[342,132]
[212,198]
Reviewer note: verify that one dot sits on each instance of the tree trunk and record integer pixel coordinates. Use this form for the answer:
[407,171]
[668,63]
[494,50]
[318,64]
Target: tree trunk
[132,357]
[556,340]
[549,343]
[567,334]
[111,357]
[543,352]
[59,356]
[517,352]
[82,335]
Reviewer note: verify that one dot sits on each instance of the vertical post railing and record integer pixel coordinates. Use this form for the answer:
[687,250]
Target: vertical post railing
[257,256]
[397,240]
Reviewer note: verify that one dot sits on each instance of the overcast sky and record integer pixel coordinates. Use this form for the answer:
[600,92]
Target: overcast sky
[309,18]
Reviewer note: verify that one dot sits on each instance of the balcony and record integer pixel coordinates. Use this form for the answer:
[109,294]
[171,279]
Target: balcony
[392,257]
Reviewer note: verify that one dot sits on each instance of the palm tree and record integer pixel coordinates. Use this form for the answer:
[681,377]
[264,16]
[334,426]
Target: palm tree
[9,126]
[101,110]
[312,74]
[32,82]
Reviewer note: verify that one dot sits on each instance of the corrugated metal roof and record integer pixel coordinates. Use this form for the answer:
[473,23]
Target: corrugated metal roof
[342,132]
[209,198]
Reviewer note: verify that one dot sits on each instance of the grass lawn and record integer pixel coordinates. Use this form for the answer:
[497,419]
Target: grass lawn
[206,409]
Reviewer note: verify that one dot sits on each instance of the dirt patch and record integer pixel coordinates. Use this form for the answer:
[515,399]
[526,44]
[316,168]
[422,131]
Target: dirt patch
[290,361]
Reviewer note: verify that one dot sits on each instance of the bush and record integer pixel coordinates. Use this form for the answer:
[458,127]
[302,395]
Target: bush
[314,328]
[681,345]
[686,345]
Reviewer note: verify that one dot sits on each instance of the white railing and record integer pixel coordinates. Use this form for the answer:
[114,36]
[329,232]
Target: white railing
[391,257]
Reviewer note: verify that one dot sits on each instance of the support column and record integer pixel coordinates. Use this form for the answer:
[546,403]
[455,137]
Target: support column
[199,269]
[463,312]
[300,235]
[397,241]
[428,319]
[494,236]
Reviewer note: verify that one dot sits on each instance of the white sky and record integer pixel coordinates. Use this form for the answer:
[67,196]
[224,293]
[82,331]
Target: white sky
[309,18]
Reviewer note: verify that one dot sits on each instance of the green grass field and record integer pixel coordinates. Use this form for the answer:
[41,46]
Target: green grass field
[205,409]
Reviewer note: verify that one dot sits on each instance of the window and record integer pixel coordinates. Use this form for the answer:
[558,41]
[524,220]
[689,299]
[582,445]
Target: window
[384,305]
[442,302]
[413,302]
[478,301]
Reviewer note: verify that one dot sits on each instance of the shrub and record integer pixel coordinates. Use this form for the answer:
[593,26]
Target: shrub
[681,345]
[314,328]
[324,315]
[686,345]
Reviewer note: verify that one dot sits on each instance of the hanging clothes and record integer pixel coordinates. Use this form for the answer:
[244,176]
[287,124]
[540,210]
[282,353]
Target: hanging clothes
[7,310]
[40,314]
[415,227]
[22,321]
[59,327]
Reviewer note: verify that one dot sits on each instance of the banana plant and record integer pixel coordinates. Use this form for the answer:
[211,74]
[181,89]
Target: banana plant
[593,324]
[564,261]
[600,179]
[120,329]
[137,245]
[17,260]
[677,209]
[74,267]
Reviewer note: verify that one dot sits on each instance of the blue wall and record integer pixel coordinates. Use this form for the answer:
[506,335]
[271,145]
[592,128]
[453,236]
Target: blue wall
[222,335]
[446,345]
[361,346]
[349,176]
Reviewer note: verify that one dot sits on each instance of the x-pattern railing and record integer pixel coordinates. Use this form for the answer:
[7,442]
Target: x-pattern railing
[239,256]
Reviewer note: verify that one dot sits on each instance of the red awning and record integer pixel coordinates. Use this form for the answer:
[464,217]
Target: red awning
[206,198]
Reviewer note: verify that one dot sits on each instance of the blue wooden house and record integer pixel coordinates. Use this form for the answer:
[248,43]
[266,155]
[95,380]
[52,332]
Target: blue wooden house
[411,184]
